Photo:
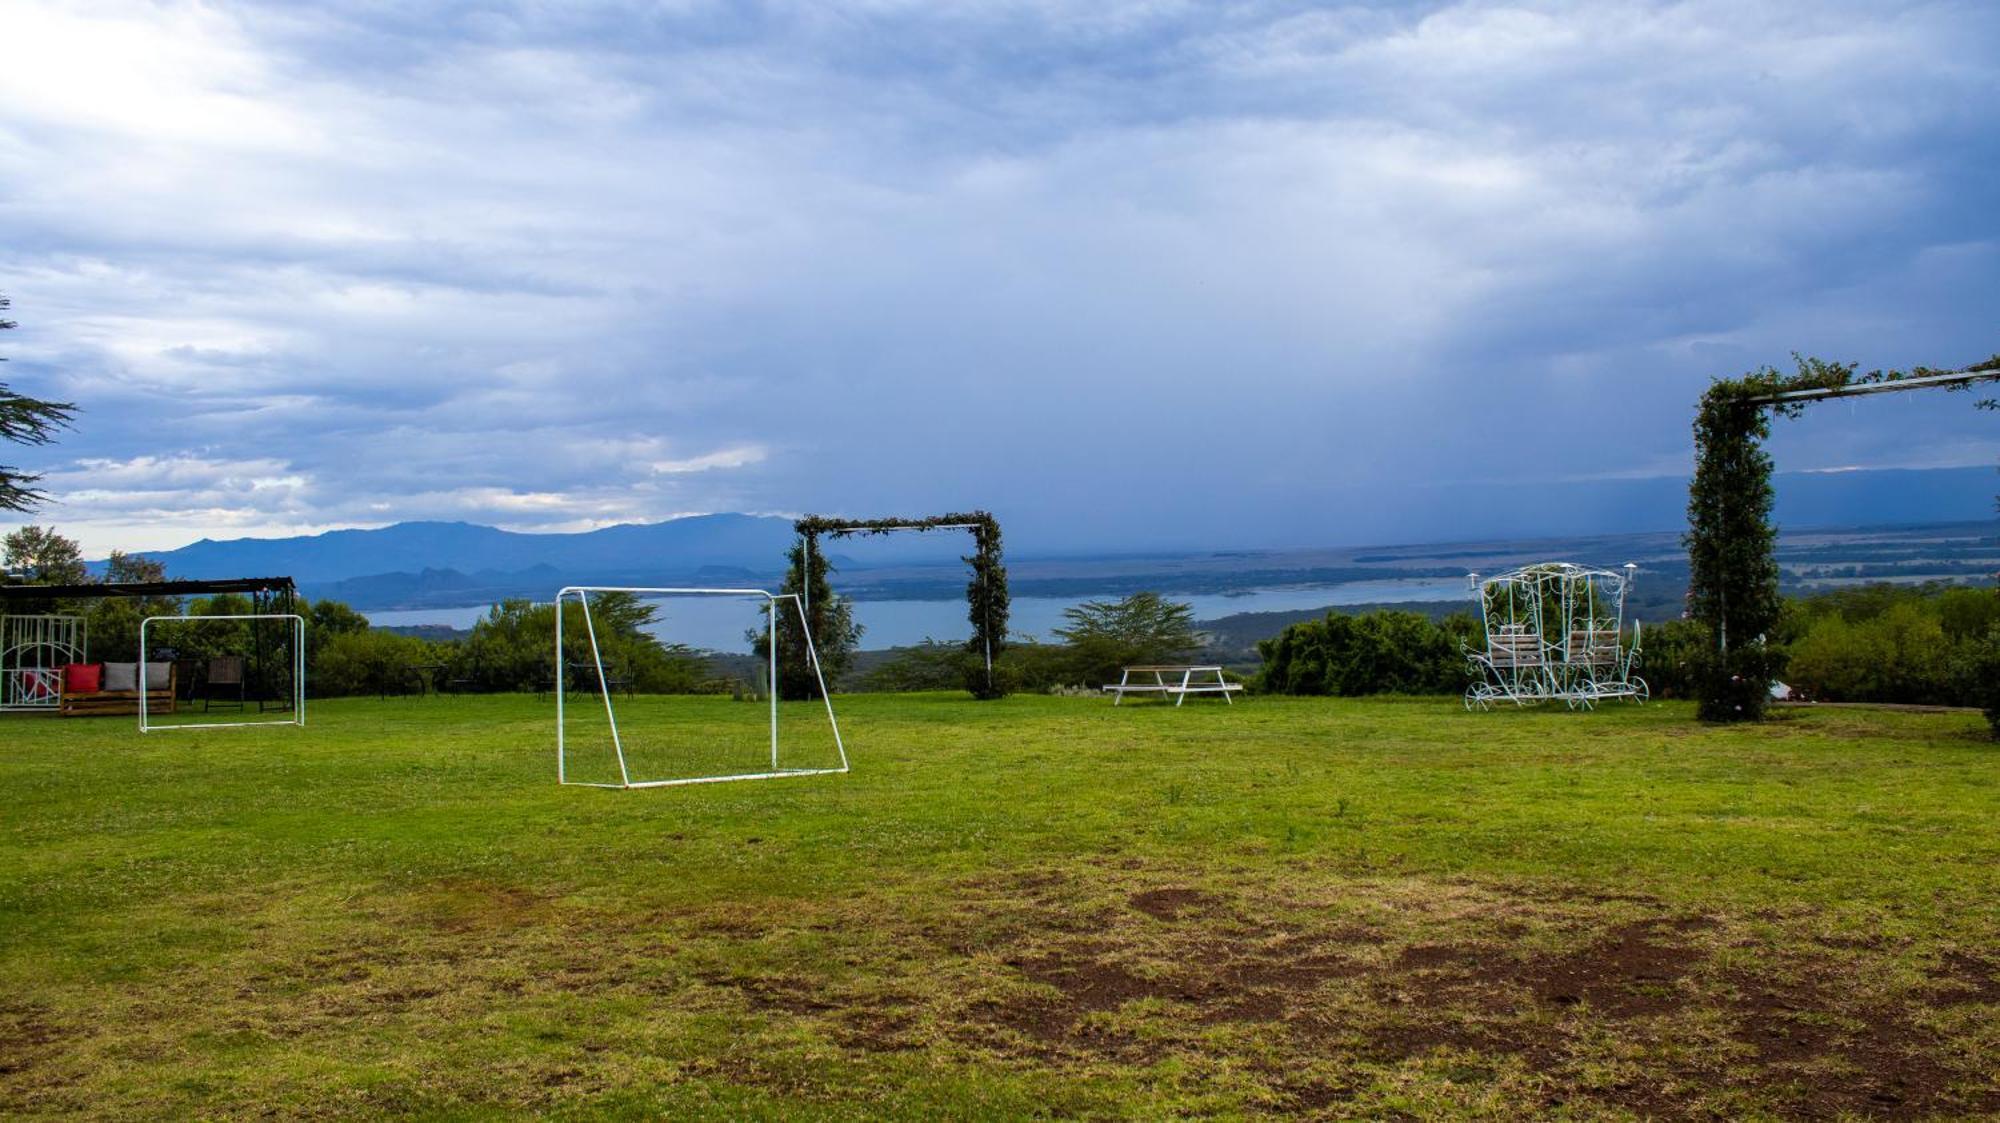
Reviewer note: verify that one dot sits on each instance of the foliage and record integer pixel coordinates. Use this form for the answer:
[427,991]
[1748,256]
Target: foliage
[986,597]
[331,617]
[1922,644]
[1671,657]
[930,665]
[367,662]
[1731,544]
[133,569]
[327,619]
[1388,652]
[25,421]
[44,557]
[1104,636]
[509,648]
[113,622]
[40,556]
[1982,665]
[835,634]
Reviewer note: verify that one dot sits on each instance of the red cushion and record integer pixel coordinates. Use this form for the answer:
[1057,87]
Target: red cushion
[83,678]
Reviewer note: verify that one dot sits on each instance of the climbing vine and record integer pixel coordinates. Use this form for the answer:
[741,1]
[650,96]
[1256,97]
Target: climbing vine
[985,594]
[1731,544]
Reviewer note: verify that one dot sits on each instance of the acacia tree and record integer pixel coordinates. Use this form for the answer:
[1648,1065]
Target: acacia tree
[26,421]
[1142,628]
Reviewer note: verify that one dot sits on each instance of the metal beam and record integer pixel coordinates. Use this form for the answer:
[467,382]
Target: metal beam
[149,589]
[1858,389]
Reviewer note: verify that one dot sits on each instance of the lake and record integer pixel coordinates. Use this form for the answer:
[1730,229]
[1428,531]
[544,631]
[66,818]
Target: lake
[718,624]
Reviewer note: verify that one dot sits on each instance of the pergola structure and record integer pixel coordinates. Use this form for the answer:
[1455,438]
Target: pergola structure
[987,600]
[36,641]
[1732,545]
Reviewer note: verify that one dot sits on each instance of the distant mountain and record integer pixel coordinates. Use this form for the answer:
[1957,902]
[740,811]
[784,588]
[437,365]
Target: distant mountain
[429,563]
[457,565]
[751,542]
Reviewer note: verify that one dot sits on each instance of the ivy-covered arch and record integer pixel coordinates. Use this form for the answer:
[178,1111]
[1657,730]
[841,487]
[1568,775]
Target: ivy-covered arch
[1731,544]
[985,594]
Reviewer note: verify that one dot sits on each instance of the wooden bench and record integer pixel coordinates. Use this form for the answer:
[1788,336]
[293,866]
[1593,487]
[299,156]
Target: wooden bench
[1507,648]
[1592,648]
[1193,679]
[102,703]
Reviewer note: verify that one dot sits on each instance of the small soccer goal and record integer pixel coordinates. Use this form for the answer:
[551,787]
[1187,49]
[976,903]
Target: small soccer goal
[227,671]
[614,729]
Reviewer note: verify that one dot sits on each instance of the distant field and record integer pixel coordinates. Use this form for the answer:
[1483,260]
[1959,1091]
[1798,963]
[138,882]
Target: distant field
[1035,907]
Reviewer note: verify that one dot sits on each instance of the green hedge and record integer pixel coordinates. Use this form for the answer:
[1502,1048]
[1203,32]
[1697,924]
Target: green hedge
[1386,652]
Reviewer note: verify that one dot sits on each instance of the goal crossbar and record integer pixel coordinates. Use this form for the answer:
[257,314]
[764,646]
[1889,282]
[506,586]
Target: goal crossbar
[582,595]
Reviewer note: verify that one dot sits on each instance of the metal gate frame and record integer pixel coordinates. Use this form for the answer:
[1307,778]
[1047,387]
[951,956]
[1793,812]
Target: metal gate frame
[37,687]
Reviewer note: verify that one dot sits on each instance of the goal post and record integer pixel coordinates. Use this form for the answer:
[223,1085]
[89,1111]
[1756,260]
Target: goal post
[602,683]
[293,668]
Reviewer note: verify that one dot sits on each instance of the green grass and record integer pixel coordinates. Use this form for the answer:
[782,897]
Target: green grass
[1040,906]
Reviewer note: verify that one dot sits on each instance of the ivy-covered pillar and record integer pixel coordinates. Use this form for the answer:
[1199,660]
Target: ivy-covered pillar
[1732,552]
[987,604]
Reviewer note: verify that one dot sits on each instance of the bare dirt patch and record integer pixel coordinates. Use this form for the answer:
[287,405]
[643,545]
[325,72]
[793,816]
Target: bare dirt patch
[1171,903]
[1799,1027]
[778,992]
[1592,1002]
[1328,992]
[1966,980]
[475,905]
[26,1038]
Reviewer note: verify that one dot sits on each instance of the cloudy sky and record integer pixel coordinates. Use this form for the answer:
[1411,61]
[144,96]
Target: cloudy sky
[1124,272]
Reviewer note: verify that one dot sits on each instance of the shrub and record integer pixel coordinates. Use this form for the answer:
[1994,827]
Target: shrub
[1982,678]
[930,665]
[1897,655]
[1388,652]
[510,648]
[368,662]
[1670,658]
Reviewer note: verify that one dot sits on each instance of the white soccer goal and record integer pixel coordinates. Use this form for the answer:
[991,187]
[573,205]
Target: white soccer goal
[237,672]
[767,767]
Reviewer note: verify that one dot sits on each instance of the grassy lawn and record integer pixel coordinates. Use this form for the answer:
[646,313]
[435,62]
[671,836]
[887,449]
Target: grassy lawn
[1040,906]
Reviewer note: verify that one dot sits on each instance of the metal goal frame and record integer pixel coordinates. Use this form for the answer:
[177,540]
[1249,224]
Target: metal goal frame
[582,595]
[298,714]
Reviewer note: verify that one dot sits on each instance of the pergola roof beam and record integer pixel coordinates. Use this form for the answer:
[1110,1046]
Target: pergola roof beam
[1857,389]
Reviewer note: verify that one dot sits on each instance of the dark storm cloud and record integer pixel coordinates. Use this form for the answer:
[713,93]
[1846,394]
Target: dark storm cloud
[554,266]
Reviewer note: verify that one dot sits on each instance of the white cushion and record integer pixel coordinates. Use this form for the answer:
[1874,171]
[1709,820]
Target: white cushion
[158,675]
[121,676]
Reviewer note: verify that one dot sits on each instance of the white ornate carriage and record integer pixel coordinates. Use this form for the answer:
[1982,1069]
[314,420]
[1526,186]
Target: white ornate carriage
[1554,632]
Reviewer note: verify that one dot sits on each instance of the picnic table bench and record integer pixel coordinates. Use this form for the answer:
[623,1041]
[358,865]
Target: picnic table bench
[1192,679]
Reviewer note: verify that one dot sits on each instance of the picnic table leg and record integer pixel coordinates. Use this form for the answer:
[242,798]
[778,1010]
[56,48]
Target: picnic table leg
[1161,683]
[1224,684]
[1186,677]
[1118,696]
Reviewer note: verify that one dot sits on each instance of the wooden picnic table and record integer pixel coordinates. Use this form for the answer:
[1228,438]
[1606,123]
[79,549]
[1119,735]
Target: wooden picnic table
[1193,678]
